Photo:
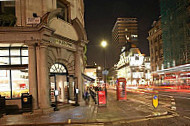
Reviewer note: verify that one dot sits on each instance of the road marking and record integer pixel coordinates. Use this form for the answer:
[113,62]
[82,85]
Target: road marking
[150,118]
[175,96]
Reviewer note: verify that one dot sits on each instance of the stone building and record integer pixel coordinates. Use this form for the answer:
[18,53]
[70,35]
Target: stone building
[42,46]
[156,46]
[135,67]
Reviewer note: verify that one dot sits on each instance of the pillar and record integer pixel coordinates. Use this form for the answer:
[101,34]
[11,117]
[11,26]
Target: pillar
[71,87]
[78,71]
[44,88]
[32,71]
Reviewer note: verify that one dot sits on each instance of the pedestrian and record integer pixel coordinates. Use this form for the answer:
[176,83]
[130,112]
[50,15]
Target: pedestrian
[87,96]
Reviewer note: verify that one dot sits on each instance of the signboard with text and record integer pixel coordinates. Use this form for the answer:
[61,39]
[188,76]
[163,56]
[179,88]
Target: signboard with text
[101,98]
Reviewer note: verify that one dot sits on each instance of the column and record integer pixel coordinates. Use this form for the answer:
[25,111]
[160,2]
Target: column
[44,88]
[71,87]
[78,71]
[32,71]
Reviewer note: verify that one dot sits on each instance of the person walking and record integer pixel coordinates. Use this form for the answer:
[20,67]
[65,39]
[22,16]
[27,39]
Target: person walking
[87,96]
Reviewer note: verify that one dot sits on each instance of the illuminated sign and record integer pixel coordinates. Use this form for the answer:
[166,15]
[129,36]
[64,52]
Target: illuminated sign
[101,97]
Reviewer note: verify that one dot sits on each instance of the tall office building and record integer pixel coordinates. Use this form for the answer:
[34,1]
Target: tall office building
[124,33]
[176,32]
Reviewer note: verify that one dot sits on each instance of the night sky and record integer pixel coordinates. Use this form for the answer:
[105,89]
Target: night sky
[100,17]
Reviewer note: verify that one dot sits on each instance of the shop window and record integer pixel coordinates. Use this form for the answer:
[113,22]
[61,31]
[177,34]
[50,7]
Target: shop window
[13,82]
[5,89]
[19,82]
[64,10]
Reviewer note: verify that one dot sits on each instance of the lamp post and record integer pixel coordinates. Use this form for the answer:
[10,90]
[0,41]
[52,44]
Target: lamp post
[104,45]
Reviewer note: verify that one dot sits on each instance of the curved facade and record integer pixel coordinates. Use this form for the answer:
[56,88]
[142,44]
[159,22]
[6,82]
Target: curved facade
[53,33]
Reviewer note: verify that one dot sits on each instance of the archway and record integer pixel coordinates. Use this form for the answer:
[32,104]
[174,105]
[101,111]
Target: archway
[59,83]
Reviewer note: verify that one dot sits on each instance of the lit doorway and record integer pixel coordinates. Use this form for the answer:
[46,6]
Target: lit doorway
[59,82]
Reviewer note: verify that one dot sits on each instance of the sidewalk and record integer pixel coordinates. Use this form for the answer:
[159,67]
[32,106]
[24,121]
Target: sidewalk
[114,111]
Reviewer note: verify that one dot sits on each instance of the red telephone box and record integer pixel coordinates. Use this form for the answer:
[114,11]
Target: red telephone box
[121,89]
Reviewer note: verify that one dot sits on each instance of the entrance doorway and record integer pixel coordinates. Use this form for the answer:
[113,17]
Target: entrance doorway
[59,82]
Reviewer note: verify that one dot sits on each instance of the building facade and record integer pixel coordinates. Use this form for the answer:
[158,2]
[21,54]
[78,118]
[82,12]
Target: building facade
[42,50]
[156,46]
[175,32]
[125,31]
[135,67]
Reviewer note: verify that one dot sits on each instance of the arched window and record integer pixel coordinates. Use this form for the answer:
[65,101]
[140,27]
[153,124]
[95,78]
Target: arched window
[58,68]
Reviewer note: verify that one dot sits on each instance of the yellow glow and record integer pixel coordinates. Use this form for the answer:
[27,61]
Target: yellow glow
[104,44]
[99,68]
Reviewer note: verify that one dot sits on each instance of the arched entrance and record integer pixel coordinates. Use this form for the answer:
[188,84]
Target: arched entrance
[59,82]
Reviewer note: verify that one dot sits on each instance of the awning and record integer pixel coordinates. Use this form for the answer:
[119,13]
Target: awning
[87,77]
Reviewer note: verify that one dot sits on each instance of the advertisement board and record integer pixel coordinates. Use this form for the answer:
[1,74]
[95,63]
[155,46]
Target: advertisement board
[101,98]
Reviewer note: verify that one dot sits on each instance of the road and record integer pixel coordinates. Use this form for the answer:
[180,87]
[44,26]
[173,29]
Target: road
[137,110]
[176,102]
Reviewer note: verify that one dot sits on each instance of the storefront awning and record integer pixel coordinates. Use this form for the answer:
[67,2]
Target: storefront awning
[87,77]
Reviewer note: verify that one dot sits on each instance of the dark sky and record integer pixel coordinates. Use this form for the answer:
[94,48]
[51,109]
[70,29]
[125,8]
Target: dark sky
[100,17]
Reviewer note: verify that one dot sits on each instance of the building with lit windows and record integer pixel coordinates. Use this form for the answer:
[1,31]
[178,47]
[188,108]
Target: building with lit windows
[175,32]
[124,31]
[135,67]
[41,50]
[156,46]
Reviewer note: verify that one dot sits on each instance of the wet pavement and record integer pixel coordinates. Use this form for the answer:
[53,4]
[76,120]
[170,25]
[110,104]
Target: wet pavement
[134,108]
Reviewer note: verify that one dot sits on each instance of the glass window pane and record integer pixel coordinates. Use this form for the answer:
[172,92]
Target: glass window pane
[4,60]
[15,52]
[24,52]
[15,60]
[5,83]
[20,82]
[24,60]
[4,52]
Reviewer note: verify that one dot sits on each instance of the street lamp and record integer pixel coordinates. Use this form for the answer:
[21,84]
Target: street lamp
[104,44]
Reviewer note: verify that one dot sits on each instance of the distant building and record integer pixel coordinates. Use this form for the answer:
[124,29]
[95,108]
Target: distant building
[124,33]
[175,24]
[156,46]
[135,67]
[90,75]
[41,50]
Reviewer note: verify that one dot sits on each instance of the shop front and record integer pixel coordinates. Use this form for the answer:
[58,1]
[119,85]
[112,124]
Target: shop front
[13,71]
[59,81]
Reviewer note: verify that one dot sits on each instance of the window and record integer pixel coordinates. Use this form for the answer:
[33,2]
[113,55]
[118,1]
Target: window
[13,82]
[7,13]
[13,55]
[64,10]
[7,7]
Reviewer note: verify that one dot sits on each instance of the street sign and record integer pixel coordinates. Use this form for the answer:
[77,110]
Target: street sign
[155,101]
[105,72]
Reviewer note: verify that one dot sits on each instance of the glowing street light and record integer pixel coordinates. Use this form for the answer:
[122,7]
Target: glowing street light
[99,67]
[103,43]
